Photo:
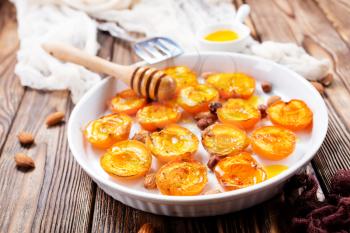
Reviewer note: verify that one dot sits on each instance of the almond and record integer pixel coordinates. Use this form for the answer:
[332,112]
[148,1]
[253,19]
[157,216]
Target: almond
[266,86]
[141,136]
[24,161]
[146,228]
[25,138]
[214,106]
[213,160]
[327,81]
[262,108]
[273,99]
[318,87]
[54,118]
[150,181]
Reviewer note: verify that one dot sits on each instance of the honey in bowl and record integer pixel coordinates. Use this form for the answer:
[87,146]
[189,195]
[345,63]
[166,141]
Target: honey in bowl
[222,36]
[274,170]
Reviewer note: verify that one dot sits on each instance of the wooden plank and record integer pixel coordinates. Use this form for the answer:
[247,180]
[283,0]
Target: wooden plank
[309,27]
[11,91]
[338,13]
[57,196]
[112,216]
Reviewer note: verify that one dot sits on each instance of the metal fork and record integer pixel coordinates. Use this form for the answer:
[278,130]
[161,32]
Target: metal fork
[152,50]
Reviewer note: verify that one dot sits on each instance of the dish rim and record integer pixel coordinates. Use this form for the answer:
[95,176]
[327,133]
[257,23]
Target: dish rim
[272,182]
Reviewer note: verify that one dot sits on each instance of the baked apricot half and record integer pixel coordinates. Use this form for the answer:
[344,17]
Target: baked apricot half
[223,139]
[172,143]
[273,142]
[107,130]
[157,116]
[127,159]
[239,171]
[181,178]
[127,102]
[239,112]
[232,85]
[194,99]
[182,75]
[294,115]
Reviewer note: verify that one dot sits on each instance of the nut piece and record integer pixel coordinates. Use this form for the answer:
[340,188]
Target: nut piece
[262,108]
[213,106]
[204,119]
[54,118]
[205,75]
[146,228]
[273,99]
[205,115]
[266,86]
[327,81]
[24,161]
[213,160]
[318,87]
[213,191]
[25,138]
[150,181]
[204,123]
[141,136]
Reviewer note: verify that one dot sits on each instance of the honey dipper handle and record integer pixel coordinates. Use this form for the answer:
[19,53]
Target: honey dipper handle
[71,54]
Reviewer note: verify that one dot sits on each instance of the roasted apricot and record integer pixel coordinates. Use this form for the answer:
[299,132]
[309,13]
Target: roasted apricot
[183,76]
[157,116]
[273,142]
[194,99]
[181,178]
[223,139]
[239,112]
[105,131]
[294,115]
[236,85]
[172,143]
[127,102]
[239,171]
[127,159]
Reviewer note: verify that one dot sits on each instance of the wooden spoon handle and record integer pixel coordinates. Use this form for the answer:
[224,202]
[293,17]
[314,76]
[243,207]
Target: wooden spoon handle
[146,81]
[71,54]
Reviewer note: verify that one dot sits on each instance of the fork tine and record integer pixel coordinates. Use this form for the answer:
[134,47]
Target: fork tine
[141,52]
[157,49]
[161,48]
[154,52]
[170,43]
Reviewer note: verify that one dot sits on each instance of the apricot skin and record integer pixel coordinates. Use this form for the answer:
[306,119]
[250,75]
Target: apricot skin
[157,116]
[107,130]
[172,143]
[239,171]
[182,178]
[294,115]
[273,142]
[129,159]
[127,102]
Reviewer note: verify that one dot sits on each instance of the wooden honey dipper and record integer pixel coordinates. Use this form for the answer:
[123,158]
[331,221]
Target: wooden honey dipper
[144,80]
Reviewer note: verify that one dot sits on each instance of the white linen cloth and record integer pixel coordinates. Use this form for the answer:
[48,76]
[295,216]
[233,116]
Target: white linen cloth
[72,21]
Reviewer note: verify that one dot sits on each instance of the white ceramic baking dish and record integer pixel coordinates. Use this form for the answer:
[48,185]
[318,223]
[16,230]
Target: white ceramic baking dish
[286,84]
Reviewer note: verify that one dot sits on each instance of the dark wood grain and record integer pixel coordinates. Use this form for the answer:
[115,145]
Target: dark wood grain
[55,196]
[309,27]
[11,91]
[338,13]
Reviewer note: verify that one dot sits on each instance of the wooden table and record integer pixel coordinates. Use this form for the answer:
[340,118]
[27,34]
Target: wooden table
[58,196]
